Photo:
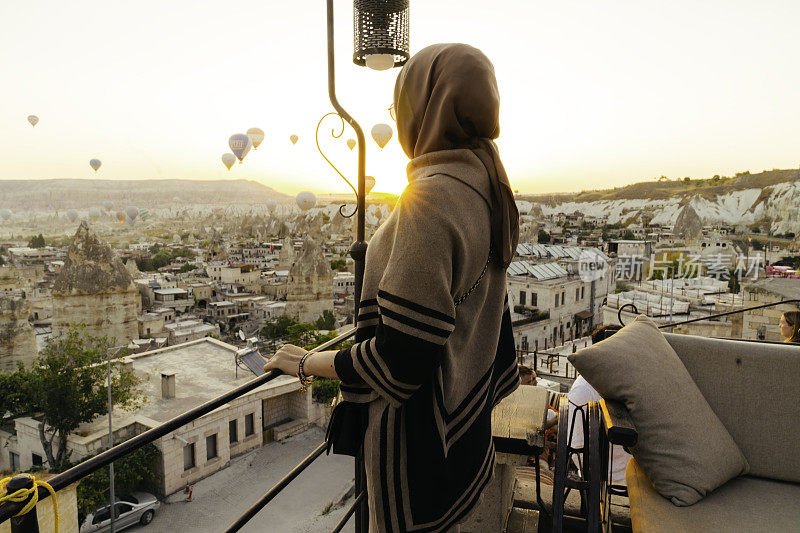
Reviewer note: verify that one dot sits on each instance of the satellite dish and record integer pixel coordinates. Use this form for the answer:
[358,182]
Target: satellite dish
[242,335]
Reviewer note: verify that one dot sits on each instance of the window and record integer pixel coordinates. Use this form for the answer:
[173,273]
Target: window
[36,459]
[577,294]
[534,301]
[188,457]
[14,460]
[556,300]
[249,424]
[101,516]
[563,297]
[582,292]
[122,508]
[521,297]
[232,432]
[211,447]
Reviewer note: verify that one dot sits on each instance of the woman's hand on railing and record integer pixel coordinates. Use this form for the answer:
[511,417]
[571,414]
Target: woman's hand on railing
[287,360]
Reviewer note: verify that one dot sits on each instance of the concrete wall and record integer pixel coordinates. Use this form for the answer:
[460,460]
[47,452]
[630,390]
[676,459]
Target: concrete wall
[766,320]
[67,511]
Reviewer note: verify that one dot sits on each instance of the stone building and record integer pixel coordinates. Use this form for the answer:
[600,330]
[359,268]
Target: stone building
[17,337]
[310,283]
[95,288]
[173,383]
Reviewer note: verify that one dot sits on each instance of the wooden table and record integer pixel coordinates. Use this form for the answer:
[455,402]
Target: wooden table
[518,433]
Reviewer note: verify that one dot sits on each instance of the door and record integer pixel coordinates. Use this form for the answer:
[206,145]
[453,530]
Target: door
[101,521]
[124,516]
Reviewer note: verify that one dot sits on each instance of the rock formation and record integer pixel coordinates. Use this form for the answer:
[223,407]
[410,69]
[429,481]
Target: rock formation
[95,288]
[310,283]
[133,269]
[17,337]
[689,225]
[286,256]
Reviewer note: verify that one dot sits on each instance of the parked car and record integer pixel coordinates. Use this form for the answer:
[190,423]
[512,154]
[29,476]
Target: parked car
[136,508]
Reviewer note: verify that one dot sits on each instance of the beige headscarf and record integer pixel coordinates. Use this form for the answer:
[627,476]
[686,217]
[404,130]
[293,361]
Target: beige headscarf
[446,98]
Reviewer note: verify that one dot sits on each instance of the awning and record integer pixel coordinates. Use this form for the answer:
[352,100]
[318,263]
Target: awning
[584,315]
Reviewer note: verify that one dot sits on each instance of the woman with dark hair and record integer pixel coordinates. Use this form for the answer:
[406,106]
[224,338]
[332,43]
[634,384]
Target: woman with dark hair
[434,348]
[790,326]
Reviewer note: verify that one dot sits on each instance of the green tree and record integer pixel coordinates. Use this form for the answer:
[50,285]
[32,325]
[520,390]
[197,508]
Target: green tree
[544,237]
[66,386]
[301,334]
[188,267]
[36,241]
[338,264]
[628,236]
[326,321]
[278,327]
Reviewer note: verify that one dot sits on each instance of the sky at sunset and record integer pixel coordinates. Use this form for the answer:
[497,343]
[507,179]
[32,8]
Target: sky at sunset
[593,94]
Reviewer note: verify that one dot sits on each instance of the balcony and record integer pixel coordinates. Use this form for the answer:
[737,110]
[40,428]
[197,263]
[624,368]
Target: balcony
[520,504]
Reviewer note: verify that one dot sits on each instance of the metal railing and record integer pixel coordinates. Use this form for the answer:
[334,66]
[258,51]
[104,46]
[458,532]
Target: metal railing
[29,522]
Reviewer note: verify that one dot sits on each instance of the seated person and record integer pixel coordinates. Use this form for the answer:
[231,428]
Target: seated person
[526,375]
[582,393]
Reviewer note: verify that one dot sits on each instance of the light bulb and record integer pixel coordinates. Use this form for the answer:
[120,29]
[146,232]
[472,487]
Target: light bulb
[380,61]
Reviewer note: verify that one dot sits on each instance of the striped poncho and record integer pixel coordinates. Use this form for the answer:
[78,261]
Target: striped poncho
[424,374]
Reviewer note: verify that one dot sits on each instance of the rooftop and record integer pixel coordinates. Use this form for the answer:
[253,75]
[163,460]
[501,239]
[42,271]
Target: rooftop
[204,369]
[540,272]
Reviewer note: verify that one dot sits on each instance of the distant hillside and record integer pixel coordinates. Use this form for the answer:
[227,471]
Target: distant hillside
[770,199]
[664,188]
[63,193]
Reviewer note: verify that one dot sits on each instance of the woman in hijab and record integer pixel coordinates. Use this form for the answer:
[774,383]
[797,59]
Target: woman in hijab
[434,348]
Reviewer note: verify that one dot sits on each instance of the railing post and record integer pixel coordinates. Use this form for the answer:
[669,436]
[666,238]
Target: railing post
[29,522]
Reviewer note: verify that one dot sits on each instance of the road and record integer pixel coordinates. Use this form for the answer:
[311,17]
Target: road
[221,498]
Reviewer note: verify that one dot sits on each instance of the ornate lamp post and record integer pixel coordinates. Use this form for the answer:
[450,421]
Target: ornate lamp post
[380,42]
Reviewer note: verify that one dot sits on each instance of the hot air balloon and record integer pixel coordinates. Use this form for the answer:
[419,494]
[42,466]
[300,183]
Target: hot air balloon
[218,211]
[95,164]
[256,136]
[33,119]
[351,143]
[293,138]
[240,144]
[369,183]
[121,217]
[306,200]
[72,215]
[144,213]
[381,133]
[271,205]
[108,205]
[132,212]
[5,213]
[94,213]
[228,160]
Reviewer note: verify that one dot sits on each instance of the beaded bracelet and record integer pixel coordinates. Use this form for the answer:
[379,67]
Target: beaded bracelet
[305,381]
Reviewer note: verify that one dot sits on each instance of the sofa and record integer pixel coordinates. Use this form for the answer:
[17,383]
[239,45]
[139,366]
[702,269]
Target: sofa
[754,389]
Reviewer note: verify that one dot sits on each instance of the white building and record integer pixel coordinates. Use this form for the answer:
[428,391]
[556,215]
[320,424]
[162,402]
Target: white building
[344,283]
[550,305]
[175,380]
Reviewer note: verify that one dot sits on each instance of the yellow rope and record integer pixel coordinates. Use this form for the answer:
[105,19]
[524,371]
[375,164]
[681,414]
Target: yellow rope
[23,494]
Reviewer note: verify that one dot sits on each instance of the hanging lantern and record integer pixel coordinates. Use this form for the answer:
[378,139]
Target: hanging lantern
[380,33]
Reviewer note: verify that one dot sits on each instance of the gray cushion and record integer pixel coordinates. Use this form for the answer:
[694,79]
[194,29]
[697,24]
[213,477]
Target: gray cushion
[683,447]
[753,388]
[745,504]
